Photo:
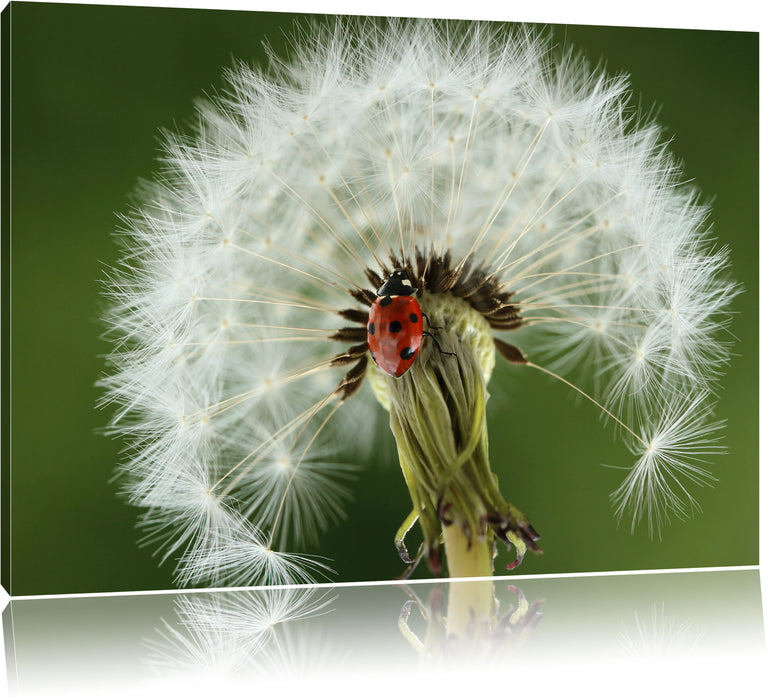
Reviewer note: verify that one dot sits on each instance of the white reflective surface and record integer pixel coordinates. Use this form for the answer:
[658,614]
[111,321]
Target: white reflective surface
[631,635]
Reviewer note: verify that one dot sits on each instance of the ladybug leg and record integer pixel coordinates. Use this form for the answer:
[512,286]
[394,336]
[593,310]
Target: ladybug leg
[436,342]
[439,347]
[428,323]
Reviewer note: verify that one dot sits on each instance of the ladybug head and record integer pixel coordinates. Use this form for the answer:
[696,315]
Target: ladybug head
[397,284]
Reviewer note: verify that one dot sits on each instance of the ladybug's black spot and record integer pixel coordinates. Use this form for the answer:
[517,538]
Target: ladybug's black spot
[413,318]
[406,353]
[394,327]
[371,329]
[386,301]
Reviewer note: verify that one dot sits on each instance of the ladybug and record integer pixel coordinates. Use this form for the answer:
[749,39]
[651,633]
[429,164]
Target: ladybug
[395,325]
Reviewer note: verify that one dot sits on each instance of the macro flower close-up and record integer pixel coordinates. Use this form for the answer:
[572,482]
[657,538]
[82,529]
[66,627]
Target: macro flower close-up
[351,240]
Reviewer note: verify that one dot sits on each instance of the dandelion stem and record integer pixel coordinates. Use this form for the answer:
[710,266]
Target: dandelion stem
[467,559]
[470,609]
[438,420]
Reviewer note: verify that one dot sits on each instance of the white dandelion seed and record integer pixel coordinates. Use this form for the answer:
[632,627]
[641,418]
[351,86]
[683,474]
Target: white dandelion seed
[676,456]
[657,635]
[523,198]
[221,634]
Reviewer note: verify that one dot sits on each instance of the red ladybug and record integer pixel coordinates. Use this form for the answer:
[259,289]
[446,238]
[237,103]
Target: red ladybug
[395,326]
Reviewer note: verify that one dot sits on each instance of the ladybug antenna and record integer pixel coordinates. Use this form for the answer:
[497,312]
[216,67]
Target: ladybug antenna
[397,284]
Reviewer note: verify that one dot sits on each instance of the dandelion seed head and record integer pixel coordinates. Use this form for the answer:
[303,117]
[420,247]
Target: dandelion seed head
[532,203]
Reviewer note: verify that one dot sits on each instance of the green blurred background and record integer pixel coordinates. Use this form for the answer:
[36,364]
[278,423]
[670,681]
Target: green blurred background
[92,86]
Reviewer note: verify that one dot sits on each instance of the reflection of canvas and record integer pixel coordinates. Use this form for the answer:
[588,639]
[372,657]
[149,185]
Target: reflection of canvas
[245,450]
[647,626]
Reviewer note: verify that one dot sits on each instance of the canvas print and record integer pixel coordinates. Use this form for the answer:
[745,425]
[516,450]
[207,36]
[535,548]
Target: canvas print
[295,298]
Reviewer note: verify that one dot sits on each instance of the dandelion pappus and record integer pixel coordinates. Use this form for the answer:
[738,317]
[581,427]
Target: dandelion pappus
[395,326]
